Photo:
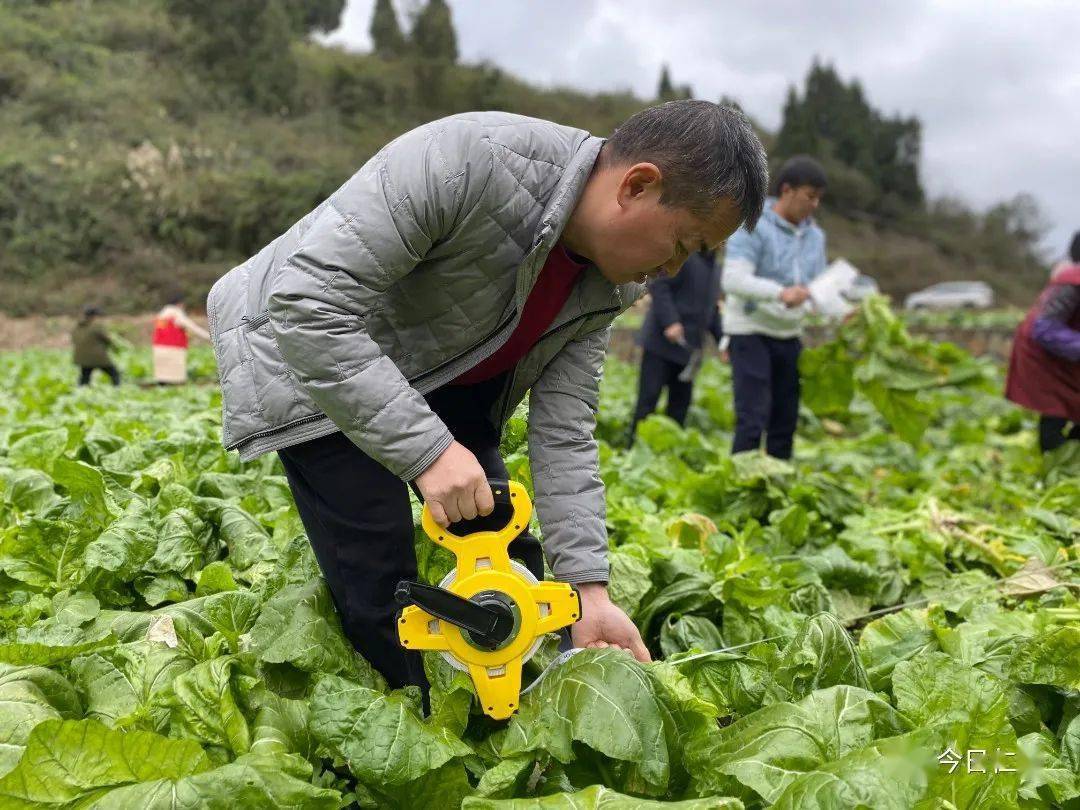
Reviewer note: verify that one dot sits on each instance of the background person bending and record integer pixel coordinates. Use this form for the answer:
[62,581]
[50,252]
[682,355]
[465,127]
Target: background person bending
[683,310]
[1044,368]
[91,343]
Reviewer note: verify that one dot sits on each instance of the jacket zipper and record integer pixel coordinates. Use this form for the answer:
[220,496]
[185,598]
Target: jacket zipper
[251,324]
[461,354]
[547,334]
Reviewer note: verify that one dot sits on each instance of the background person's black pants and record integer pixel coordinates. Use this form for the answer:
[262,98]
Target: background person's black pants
[359,522]
[86,371]
[765,376]
[658,373]
[1053,433]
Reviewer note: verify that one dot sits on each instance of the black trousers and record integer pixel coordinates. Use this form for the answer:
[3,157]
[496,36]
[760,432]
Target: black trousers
[1053,433]
[765,376]
[86,371]
[658,373]
[359,521]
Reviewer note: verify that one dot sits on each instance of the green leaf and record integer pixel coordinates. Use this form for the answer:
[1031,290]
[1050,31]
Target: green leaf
[970,708]
[629,581]
[771,748]
[163,588]
[283,726]
[887,775]
[75,609]
[735,683]
[46,554]
[184,545]
[381,737]
[887,641]
[127,544]
[599,797]
[451,695]
[827,378]
[1051,658]
[35,652]
[253,780]
[30,491]
[206,705]
[605,700]
[246,540]
[131,684]
[28,696]
[1046,770]
[506,778]
[821,655]
[215,578]
[39,450]
[300,626]
[681,633]
[69,761]
[85,486]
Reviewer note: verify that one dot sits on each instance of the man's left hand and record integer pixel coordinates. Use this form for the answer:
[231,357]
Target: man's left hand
[603,624]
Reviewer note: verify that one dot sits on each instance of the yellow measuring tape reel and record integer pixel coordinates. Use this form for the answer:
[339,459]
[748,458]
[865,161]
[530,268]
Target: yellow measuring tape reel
[489,615]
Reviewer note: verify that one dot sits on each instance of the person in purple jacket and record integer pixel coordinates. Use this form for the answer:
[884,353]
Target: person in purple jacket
[1044,369]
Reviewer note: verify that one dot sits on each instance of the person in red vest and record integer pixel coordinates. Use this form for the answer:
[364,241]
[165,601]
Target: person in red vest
[170,342]
[1044,369]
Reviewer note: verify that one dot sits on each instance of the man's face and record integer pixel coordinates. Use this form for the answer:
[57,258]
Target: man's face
[639,237]
[799,202]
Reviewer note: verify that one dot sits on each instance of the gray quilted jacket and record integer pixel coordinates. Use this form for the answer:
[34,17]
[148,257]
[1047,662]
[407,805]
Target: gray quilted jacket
[407,276]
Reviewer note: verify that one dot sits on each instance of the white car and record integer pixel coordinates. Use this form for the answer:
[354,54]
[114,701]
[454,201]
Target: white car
[952,295]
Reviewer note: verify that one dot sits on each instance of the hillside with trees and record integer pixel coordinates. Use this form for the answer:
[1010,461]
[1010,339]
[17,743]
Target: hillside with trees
[152,144]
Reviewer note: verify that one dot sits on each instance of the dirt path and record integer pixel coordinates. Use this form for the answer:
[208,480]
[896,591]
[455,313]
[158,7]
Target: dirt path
[53,332]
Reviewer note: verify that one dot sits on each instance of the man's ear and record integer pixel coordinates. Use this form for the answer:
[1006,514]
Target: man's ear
[639,181]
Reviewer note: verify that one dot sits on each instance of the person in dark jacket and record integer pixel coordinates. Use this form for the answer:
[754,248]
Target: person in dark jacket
[91,347]
[683,311]
[1044,369]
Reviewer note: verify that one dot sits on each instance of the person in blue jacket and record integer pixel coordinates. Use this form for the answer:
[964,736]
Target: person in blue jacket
[766,279]
[683,311]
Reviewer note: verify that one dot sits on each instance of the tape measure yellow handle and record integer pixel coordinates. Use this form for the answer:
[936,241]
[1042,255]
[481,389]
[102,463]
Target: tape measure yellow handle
[503,491]
[483,566]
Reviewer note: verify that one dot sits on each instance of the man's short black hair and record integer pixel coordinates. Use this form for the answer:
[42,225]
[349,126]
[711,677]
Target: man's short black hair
[1074,248]
[706,153]
[801,170]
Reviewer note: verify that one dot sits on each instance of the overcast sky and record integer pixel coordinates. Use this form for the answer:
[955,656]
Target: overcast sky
[995,84]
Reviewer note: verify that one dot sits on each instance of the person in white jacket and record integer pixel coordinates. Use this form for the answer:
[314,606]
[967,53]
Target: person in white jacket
[170,342]
[765,276]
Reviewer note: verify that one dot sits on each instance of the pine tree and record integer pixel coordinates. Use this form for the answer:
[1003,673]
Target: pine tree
[665,90]
[433,35]
[386,37]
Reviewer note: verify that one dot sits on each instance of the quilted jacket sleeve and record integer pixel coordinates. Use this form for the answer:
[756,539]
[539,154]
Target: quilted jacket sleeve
[372,231]
[564,459]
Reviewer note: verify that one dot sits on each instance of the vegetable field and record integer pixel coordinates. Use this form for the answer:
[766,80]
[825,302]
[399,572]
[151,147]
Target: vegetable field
[896,613]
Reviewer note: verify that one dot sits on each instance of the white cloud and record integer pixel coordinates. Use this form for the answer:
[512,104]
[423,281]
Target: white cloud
[996,85]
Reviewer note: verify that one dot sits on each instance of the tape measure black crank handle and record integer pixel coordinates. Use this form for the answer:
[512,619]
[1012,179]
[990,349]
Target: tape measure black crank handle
[487,625]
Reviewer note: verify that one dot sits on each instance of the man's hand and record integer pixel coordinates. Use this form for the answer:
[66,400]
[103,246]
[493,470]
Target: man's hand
[603,624]
[675,333]
[455,487]
[794,296]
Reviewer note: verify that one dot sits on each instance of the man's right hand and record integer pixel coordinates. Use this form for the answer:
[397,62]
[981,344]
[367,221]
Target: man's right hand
[675,333]
[794,296]
[455,487]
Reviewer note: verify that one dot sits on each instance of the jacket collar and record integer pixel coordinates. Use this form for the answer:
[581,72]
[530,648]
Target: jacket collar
[771,216]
